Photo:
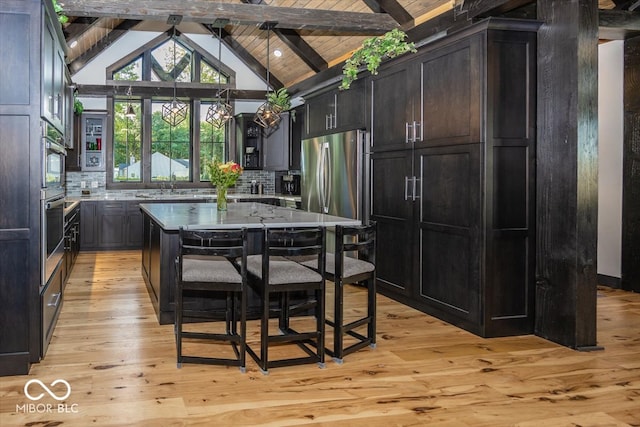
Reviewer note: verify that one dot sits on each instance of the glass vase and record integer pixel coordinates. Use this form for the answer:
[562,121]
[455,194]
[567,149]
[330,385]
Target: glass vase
[222,198]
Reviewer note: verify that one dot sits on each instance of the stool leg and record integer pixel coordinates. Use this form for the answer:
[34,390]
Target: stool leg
[338,319]
[371,310]
[320,318]
[243,330]
[178,324]
[264,331]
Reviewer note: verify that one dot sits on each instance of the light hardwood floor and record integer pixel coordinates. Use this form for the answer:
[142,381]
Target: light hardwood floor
[121,367]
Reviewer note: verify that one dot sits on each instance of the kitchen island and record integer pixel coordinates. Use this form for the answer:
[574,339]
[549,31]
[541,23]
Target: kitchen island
[161,222]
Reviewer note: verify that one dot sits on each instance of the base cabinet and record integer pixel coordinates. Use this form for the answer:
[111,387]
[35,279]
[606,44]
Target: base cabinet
[50,305]
[459,192]
[111,225]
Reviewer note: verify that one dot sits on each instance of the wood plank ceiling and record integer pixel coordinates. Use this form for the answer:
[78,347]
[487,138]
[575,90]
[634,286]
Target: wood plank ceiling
[313,35]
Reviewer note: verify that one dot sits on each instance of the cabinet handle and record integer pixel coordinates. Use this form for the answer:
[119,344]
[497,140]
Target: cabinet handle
[55,299]
[415,181]
[406,188]
[326,122]
[334,121]
[406,133]
[416,133]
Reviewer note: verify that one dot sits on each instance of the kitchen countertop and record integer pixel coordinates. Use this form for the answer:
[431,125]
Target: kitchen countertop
[170,216]
[177,195]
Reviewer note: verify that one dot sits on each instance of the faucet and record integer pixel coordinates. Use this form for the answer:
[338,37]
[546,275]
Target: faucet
[173,182]
[162,187]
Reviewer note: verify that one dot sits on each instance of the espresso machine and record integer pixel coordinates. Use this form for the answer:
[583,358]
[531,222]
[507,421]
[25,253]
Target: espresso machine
[290,184]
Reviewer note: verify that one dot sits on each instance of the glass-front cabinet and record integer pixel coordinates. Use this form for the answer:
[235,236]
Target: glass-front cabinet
[94,130]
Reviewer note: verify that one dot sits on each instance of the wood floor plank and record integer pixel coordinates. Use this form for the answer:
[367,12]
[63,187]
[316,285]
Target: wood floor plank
[121,366]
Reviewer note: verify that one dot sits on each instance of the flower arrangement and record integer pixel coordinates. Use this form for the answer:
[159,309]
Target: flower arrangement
[223,174]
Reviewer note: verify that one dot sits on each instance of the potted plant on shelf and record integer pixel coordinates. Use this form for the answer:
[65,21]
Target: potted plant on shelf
[372,52]
[223,176]
[280,98]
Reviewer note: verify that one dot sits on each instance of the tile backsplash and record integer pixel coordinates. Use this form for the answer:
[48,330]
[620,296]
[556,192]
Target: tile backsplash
[99,179]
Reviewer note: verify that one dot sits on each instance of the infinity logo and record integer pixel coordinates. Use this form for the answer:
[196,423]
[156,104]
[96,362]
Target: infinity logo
[45,388]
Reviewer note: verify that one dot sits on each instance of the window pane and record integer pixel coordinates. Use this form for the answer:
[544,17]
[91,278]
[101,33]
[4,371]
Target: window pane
[127,143]
[130,72]
[170,147]
[162,62]
[212,142]
[208,74]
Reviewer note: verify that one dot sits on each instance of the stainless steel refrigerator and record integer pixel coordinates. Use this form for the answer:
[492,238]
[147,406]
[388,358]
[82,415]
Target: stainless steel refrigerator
[334,174]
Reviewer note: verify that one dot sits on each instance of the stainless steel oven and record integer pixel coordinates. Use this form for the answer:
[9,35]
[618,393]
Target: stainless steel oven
[53,156]
[52,235]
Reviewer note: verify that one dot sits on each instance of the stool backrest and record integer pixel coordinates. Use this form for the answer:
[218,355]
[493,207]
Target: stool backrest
[294,242]
[225,243]
[359,238]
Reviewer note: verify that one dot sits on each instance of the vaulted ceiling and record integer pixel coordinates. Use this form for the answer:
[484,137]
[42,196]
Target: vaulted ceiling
[314,36]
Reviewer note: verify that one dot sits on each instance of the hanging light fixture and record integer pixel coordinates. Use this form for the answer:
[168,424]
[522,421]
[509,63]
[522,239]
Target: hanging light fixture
[174,112]
[219,113]
[268,114]
[130,113]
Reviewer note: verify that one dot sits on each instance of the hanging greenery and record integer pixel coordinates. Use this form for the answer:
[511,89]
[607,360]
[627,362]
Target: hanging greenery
[372,52]
[62,18]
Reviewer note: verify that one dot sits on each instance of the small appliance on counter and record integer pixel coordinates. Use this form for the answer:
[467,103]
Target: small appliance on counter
[290,184]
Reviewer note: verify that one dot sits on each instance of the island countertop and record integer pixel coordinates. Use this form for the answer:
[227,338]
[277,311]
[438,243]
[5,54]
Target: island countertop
[170,216]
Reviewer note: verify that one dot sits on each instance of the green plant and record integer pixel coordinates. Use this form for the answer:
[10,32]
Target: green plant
[78,106]
[62,18]
[372,52]
[280,98]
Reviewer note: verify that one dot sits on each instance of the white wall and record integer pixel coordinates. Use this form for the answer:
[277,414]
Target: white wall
[610,145]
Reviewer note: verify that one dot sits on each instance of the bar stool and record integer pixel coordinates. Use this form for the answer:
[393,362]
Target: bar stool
[353,262]
[272,273]
[213,261]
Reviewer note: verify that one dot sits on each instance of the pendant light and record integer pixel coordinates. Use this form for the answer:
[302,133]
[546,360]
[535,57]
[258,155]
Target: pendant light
[130,113]
[268,114]
[174,112]
[219,113]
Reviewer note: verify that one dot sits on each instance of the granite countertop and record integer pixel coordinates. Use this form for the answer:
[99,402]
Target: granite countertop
[170,216]
[176,195]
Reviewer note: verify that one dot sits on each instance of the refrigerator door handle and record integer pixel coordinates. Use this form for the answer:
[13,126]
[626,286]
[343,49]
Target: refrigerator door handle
[325,168]
[327,182]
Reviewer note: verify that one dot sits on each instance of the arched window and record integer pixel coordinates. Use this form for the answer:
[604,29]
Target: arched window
[146,151]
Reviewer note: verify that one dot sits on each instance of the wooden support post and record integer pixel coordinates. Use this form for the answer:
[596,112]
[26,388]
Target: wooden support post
[567,172]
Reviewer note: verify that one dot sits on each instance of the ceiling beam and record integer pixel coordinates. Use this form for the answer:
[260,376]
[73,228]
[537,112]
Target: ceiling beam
[618,24]
[95,50]
[252,63]
[77,27]
[203,11]
[164,90]
[393,8]
[301,48]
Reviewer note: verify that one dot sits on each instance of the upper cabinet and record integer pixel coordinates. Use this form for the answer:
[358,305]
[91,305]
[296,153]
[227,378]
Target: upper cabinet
[248,142]
[335,110]
[277,149]
[53,82]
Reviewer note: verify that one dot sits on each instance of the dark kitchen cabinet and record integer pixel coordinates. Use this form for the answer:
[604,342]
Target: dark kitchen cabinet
[249,141]
[50,304]
[297,132]
[277,148]
[460,191]
[32,48]
[71,241]
[335,110]
[111,225]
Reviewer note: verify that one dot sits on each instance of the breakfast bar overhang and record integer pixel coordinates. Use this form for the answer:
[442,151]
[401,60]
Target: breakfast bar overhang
[160,242]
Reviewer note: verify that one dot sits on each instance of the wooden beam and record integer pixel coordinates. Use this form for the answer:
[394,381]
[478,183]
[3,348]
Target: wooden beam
[164,90]
[203,11]
[77,64]
[77,27]
[393,8]
[301,48]
[618,24]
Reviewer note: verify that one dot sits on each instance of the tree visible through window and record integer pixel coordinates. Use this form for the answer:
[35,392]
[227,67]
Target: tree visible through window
[170,148]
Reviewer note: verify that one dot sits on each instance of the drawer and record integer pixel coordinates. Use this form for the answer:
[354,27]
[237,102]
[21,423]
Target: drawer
[50,303]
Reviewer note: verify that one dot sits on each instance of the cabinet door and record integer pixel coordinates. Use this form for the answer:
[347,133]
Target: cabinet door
[111,224]
[450,215]
[295,143]
[392,100]
[451,92]
[47,70]
[94,130]
[88,228]
[58,89]
[248,142]
[350,107]
[133,235]
[276,146]
[392,208]
[320,114]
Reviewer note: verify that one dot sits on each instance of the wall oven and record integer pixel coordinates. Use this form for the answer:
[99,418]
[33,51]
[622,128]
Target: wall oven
[51,200]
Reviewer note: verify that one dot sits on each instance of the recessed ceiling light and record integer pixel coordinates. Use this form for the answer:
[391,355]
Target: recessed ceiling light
[277,53]
[73,44]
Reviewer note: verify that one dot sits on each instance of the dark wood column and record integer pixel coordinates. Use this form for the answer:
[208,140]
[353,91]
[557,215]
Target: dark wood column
[631,168]
[567,172]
